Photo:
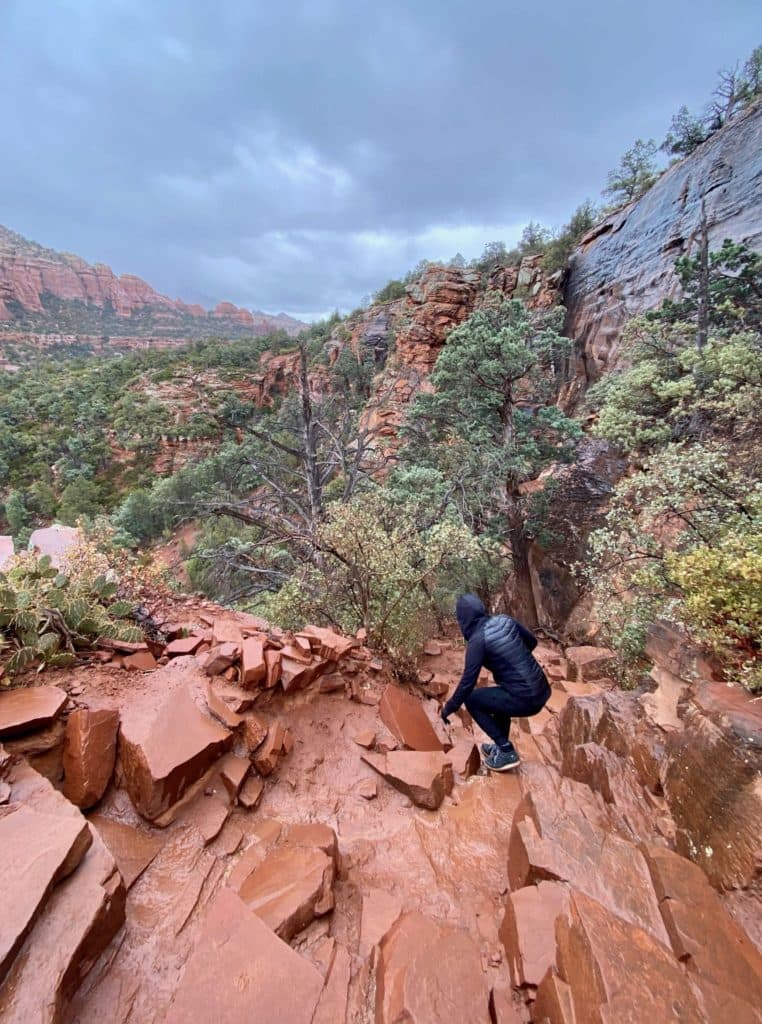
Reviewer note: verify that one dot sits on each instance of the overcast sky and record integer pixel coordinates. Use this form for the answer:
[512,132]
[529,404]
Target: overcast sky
[294,156]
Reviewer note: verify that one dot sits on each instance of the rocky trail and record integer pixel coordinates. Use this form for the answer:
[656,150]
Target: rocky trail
[246,825]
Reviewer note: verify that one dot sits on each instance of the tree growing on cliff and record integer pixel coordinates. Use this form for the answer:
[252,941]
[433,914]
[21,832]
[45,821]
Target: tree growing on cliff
[492,422]
[635,174]
[686,133]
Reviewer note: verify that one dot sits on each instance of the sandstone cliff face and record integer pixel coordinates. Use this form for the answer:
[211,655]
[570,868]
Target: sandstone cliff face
[625,265]
[31,276]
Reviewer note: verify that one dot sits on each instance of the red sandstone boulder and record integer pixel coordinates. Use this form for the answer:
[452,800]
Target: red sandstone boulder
[405,718]
[562,831]
[424,776]
[429,973]
[232,773]
[277,743]
[37,849]
[81,915]
[711,777]
[240,972]
[183,645]
[291,887]
[273,663]
[220,709]
[554,1000]
[528,930]
[618,973]
[140,661]
[224,631]
[28,708]
[55,541]
[89,755]
[164,747]
[330,645]
[132,849]
[253,664]
[703,934]
[220,658]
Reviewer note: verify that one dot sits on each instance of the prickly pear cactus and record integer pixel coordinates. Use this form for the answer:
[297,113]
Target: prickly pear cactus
[46,616]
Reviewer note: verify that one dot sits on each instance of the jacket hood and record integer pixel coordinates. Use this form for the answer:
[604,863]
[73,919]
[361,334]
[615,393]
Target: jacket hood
[470,612]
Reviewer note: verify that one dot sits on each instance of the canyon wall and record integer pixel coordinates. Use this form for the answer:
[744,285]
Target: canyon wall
[625,265]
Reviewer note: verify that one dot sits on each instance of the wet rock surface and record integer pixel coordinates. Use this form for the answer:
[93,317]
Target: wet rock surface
[165,747]
[29,708]
[504,898]
[89,755]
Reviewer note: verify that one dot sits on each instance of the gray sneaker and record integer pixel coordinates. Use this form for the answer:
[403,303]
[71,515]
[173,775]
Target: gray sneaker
[502,760]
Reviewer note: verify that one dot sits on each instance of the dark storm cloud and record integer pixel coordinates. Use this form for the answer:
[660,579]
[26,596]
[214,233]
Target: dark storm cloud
[295,155]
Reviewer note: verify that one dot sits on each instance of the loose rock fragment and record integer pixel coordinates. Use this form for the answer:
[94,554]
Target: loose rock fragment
[429,973]
[163,750]
[404,717]
[89,755]
[424,776]
[29,708]
[240,972]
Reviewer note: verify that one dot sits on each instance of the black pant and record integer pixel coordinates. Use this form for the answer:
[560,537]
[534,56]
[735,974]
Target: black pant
[492,708]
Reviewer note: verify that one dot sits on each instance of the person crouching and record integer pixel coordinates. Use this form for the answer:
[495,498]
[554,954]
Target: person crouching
[504,647]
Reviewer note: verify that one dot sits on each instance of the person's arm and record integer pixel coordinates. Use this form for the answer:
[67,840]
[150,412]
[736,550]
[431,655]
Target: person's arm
[471,670]
[530,640]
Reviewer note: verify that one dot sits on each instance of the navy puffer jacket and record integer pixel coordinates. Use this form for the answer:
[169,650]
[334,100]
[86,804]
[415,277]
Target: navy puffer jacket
[503,646]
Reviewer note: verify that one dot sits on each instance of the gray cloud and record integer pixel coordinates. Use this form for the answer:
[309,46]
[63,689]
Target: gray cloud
[296,155]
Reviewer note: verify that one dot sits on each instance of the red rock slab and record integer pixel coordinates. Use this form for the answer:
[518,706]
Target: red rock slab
[719,1006]
[295,652]
[365,739]
[251,792]
[220,710]
[429,973]
[240,972]
[207,815]
[183,645]
[554,1000]
[267,756]
[587,664]
[140,661]
[290,888]
[89,755]
[332,1006]
[317,835]
[404,717]
[254,732]
[232,772]
[332,645]
[294,673]
[272,660]
[465,758]
[253,664]
[618,973]
[220,658]
[424,776]
[562,832]
[528,930]
[226,632]
[432,649]
[82,915]
[132,849]
[703,933]
[28,708]
[36,851]
[380,909]
[164,749]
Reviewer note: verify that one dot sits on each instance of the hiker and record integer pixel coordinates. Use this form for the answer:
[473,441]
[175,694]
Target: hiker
[502,645]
